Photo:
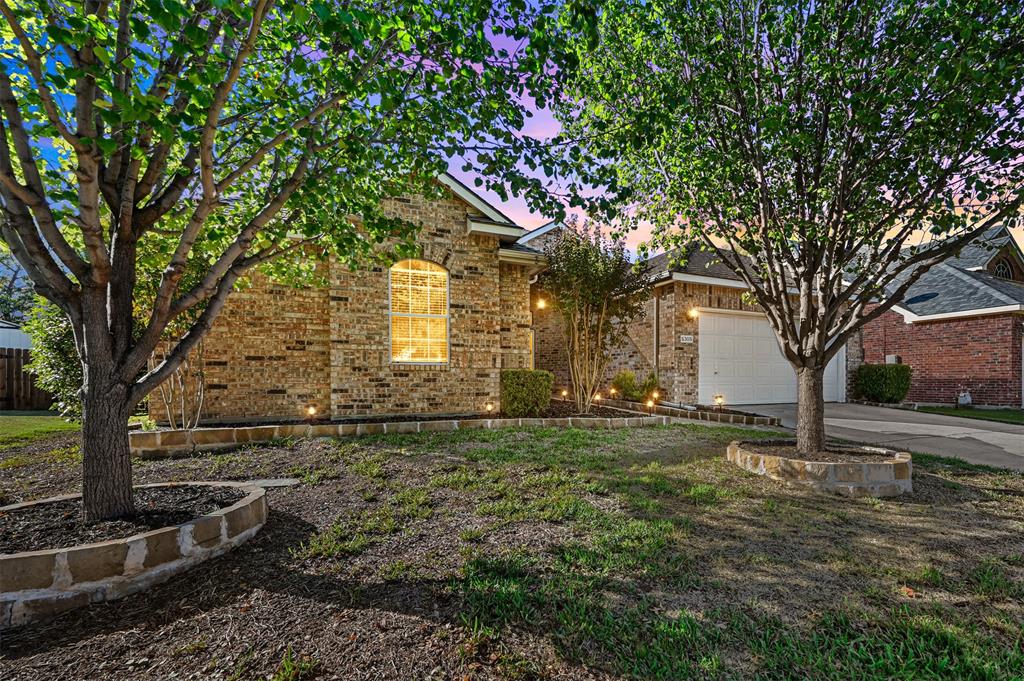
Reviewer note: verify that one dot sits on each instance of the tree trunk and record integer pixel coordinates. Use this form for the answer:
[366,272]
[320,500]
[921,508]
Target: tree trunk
[106,457]
[810,410]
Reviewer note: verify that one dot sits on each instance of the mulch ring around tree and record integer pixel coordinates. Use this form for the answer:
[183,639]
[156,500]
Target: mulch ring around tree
[59,524]
[832,453]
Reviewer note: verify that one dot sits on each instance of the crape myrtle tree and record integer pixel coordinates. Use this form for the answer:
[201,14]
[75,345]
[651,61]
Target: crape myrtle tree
[598,291]
[829,152]
[142,136]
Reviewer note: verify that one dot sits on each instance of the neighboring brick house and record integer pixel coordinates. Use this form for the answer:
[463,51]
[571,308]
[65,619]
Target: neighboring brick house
[428,335]
[699,336]
[961,327]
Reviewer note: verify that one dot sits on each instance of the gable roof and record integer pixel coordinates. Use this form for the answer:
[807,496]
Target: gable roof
[462,191]
[980,252]
[960,286]
[698,263]
[540,231]
[957,287]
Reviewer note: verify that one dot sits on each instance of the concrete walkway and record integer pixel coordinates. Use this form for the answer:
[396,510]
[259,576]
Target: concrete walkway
[984,442]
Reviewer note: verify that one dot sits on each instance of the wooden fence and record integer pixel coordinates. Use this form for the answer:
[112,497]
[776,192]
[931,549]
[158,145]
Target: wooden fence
[17,389]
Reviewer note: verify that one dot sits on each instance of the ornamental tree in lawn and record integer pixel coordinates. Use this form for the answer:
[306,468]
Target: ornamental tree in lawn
[829,152]
[143,137]
[597,291]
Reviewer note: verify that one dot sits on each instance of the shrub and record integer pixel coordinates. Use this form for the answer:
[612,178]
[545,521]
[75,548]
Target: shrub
[625,384]
[882,382]
[525,392]
[55,362]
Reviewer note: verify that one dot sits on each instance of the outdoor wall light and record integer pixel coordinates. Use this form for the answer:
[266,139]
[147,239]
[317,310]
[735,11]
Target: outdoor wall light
[311,410]
[694,313]
[489,407]
[541,303]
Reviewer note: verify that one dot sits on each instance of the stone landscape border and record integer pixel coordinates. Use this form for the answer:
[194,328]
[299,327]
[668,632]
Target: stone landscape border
[856,479]
[40,584]
[163,443]
[697,414]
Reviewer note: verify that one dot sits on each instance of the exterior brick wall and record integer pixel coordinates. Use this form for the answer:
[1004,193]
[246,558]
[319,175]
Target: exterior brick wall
[676,360]
[979,354]
[275,350]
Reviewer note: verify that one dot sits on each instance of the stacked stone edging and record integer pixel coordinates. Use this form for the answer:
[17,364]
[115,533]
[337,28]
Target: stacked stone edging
[40,584]
[852,479]
[160,443]
[697,414]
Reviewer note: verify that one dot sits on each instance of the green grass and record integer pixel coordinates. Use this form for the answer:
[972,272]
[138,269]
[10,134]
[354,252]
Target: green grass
[23,429]
[1000,415]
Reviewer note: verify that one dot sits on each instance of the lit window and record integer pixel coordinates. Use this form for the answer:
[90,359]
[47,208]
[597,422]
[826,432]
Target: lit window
[1003,270]
[419,312]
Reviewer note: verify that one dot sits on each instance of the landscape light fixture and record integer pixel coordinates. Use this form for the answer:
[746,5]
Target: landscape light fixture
[650,406]
[597,397]
[564,392]
[655,395]
[719,401]
[611,391]
[694,313]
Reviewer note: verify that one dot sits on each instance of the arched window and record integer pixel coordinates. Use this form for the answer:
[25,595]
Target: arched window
[419,312]
[1003,270]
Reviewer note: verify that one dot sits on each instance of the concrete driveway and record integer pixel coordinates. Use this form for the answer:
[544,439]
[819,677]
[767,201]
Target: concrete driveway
[984,442]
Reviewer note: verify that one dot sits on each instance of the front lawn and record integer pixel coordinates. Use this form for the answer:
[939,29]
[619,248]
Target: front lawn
[549,554]
[1000,415]
[21,428]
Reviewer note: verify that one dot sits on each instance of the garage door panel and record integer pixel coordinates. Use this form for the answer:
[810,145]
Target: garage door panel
[740,358]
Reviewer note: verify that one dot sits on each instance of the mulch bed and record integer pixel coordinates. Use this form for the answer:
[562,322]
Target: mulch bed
[830,455]
[59,524]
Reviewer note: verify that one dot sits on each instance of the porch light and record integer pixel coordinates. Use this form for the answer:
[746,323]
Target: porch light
[541,303]
[489,407]
[694,313]
[311,410]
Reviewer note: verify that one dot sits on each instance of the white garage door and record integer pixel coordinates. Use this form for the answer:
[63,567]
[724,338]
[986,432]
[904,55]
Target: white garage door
[741,360]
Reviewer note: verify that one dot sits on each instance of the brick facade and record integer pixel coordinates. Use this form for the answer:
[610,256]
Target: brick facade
[979,354]
[666,323]
[276,350]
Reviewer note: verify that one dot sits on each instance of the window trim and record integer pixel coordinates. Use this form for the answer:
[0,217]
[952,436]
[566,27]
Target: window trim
[447,318]
[1003,262]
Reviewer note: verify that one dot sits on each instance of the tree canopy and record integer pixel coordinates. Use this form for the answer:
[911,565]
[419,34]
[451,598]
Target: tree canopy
[140,138]
[829,152]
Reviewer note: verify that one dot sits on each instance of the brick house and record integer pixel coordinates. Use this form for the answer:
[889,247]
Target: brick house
[427,335]
[961,327]
[699,336]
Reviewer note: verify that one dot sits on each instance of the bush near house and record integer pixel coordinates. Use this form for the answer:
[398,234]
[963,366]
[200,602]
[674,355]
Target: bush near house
[887,383]
[625,384]
[525,392]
